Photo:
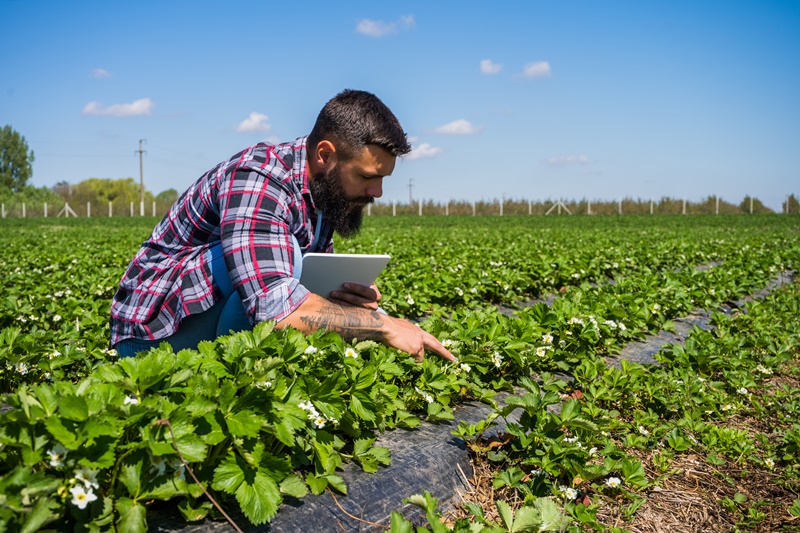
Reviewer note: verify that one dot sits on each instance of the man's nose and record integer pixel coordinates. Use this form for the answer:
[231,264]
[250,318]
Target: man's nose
[375,188]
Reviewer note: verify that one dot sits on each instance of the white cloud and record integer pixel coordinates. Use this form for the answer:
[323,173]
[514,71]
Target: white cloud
[379,28]
[538,69]
[143,106]
[458,127]
[256,122]
[100,73]
[424,151]
[563,160]
[487,67]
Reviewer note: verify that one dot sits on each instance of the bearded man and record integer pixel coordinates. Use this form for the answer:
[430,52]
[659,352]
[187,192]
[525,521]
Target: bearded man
[228,254]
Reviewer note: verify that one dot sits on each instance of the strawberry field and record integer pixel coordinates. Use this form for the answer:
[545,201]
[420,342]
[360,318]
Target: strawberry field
[535,309]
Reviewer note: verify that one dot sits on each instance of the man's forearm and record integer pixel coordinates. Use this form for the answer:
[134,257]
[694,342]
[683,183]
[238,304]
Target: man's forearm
[349,322]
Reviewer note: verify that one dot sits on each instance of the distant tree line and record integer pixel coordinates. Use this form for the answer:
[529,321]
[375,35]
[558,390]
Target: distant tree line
[93,194]
[626,206]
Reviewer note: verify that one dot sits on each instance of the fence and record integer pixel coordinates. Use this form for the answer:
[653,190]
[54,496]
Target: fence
[64,209]
[627,206]
[496,207]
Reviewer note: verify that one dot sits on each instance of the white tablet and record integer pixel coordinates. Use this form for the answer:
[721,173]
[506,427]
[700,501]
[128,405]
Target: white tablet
[323,273]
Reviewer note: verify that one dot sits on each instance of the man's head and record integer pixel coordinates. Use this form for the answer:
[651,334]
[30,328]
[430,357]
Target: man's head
[351,148]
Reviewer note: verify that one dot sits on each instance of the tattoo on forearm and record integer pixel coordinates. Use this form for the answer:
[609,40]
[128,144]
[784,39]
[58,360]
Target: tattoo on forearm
[356,323]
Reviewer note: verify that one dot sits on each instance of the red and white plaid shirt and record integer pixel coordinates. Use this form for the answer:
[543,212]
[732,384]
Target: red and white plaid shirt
[251,203]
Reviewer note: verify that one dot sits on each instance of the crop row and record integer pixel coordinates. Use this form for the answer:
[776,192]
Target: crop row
[261,415]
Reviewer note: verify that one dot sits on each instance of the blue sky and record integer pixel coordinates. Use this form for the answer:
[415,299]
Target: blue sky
[526,99]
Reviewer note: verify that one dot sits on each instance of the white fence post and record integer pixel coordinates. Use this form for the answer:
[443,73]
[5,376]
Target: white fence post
[45,210]
[588,207]
[420,207]
[88,209]
[651,206]
[473,208]
[394,208]
[369,210]
[109,210]
[141,208]
[447,208]
[23,209]
[717,212]
[751,205]
[619,206]
[530,207]
[683,212]
[154,208]
[502,201]
[131,208]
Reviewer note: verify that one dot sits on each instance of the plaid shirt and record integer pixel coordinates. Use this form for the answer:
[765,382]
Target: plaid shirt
[251,203]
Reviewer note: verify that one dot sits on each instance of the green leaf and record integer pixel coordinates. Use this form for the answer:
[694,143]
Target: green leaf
[362,406]
[504,510]
[570,409]
[527,518]
[243,423]
[130,473]
[132,517]
[63,434]
[552,518]
[45,511]
[336,482]
[294,486]
[259,499]
[229,474]
[400,524]
[192,511]
[366,377]
[73,408]
[794,510]
[316,484]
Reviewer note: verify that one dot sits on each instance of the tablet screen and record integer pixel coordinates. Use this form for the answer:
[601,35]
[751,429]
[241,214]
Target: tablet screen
[323,273]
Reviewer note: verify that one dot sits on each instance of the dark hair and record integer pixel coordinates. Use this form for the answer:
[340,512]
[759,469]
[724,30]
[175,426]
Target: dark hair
[353,119]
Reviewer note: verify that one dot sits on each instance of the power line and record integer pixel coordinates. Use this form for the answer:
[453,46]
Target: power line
[141,177]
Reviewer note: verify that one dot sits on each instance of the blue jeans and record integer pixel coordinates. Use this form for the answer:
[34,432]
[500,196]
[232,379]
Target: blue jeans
[226,316]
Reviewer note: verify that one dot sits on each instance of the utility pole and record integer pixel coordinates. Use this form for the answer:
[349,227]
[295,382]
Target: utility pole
[141,178]
[410,186]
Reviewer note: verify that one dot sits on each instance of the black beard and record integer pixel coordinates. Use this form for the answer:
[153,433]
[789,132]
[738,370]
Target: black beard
[343,213]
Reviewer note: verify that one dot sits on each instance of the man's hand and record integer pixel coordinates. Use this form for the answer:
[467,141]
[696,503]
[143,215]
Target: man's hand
[357,295]
[414,340]
[359,322]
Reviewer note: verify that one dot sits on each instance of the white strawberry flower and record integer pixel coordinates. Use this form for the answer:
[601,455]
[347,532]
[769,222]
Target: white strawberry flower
[87,477]
[613,482]
[57,455]
[428,398]
[82,497]
[131,400]
[349,352]
[541,351]
[497,359]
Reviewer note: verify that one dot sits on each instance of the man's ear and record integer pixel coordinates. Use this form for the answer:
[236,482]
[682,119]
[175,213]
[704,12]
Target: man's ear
[325,154]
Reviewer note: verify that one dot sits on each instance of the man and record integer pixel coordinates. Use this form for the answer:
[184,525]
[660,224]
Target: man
[228,253]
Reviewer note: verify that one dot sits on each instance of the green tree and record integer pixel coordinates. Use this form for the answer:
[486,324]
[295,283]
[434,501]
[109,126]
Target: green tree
[791,205]
[15,160]
[757,207]
[167,197]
